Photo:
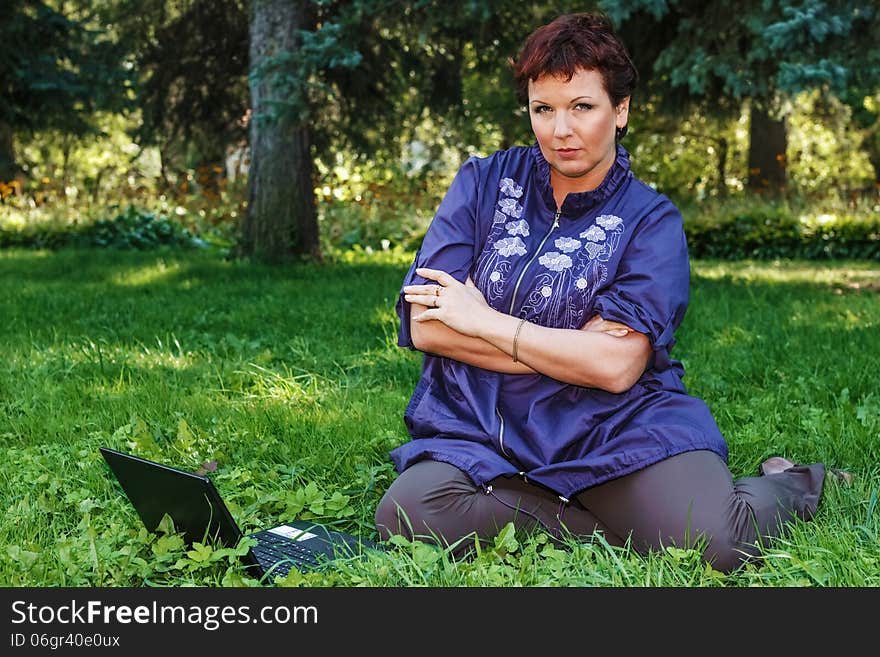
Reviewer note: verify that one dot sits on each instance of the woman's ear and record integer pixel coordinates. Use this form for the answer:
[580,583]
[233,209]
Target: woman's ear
[622,113]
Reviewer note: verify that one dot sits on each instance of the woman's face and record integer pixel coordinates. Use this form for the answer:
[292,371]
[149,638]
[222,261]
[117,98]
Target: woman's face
[575,125]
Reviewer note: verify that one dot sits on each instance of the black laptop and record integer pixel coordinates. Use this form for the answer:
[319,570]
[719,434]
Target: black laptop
[199,513]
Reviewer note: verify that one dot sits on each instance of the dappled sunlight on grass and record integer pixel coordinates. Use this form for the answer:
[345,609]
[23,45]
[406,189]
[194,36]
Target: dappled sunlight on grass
[785,296]
[20,255]
[151,274]
[102,358]
[790,272]
[734,335]
[831,312]
[259,383]
[843,318]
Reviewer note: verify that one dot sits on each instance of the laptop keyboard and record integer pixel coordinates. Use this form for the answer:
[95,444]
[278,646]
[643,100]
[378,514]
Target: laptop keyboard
[285,553]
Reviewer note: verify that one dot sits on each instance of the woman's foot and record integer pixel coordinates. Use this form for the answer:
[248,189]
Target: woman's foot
[777,464]
[774,465]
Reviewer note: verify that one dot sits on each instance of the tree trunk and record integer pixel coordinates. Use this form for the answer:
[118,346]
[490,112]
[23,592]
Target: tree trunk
[721,184]
[768,141]
[8,168]
[871,145]
[281,220]
[67,146]
[874,159]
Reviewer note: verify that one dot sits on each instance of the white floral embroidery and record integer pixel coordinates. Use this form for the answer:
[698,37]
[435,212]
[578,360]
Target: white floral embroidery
[511,208]
[594,234]
[609,221]
[594,249]
[508,186]
[555,261]
[520,227]
[510,246]
[567,244]
[561,287]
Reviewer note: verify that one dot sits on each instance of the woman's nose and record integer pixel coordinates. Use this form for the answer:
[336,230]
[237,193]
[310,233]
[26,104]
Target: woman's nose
[561,126]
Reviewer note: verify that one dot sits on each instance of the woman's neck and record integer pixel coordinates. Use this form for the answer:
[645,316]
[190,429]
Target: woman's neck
[563,185]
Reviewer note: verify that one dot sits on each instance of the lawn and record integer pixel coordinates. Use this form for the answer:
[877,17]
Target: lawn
[289,380]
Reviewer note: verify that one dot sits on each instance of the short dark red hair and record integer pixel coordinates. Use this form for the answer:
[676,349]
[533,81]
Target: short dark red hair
[572,42]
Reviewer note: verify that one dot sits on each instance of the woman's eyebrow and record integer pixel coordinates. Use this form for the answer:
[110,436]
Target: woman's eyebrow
[538,101]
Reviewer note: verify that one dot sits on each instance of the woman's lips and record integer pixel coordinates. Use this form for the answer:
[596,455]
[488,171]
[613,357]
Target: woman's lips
[567,153]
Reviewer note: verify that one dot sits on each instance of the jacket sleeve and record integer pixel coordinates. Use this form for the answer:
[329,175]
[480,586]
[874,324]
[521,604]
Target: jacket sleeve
[651,291]
[450,242]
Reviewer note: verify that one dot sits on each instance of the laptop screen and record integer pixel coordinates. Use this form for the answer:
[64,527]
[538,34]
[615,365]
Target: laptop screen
[191,501]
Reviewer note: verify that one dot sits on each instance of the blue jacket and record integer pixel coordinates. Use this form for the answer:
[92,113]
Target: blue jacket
[618,251]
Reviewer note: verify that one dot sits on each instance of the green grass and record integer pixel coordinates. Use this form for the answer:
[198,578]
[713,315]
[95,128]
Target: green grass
[289,378]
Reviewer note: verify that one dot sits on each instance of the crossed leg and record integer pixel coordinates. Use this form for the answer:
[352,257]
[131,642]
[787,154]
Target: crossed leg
[683,501]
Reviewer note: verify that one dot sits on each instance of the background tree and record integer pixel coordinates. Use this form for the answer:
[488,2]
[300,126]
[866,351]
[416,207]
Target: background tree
[190,58]
[432,59]
[366,108]
[194,91]
[287,51]
[359,75]
[57,68]
[713,56]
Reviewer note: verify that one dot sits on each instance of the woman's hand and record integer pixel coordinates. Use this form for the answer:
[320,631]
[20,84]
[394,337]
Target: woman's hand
[461,306]
[600,325]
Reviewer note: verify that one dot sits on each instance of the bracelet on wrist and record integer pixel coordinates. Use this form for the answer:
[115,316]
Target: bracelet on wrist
[516,339]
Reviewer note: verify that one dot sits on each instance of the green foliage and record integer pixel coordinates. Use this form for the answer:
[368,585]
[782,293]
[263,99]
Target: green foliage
[57,68]
[375,207]
[827,153]
[130,229]
[369,226]
[295,75]
[699,156]
[80,172]
[403,96]
[134,229]
[766,231]
[721,50]
[423,68]
[191,58]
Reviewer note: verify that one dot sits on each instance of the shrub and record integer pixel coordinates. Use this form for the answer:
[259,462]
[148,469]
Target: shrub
[769,232]
[133,228]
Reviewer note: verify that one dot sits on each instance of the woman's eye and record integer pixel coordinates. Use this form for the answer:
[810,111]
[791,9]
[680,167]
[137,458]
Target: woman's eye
[583,106]
[542,109]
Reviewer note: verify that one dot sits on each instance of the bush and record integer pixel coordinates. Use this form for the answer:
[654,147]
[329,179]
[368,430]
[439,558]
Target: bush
[347,225]
[132,228]
[135,229]
[770,232]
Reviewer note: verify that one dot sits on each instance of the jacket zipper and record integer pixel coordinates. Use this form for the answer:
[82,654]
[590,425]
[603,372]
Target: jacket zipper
[501,433]
[513,302]
[532,259]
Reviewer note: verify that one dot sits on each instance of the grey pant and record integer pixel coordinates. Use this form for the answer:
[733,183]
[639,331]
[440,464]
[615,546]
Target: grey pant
[686,500]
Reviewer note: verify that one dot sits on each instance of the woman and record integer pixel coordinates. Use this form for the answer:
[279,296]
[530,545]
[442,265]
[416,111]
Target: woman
[545,296]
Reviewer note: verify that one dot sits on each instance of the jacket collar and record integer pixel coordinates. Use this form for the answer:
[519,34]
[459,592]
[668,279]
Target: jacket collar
[581,202]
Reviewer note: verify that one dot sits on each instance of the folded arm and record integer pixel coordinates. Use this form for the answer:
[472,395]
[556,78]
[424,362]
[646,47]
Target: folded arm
[462,326]
[435,337]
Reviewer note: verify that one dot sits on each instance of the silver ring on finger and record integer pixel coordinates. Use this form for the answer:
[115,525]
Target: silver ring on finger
[437,291]
[435,301]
